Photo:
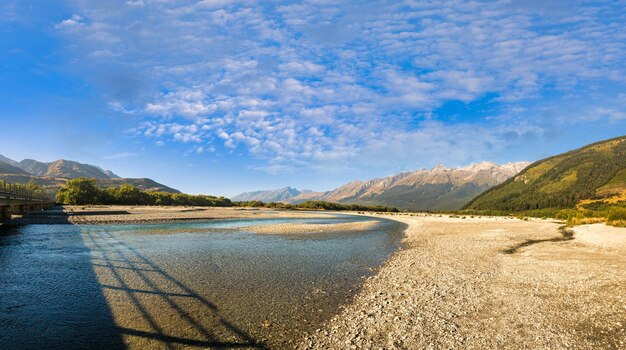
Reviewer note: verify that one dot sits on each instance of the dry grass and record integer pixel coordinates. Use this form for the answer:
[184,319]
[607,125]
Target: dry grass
[585,221]
[617,223]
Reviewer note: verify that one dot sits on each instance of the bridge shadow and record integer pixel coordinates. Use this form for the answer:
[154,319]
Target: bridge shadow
[155,309]
[50,297]
[80,287]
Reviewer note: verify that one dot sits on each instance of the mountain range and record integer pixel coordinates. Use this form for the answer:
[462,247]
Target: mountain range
[52,175]
[439,188]
[591,174]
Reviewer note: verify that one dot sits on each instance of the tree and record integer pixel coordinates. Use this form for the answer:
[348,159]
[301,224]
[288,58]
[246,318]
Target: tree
[127,194]
[79,191]
[37,191]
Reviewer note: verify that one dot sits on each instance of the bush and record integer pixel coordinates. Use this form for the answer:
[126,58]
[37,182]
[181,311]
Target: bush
[79,191]
[569,214]
[617,214]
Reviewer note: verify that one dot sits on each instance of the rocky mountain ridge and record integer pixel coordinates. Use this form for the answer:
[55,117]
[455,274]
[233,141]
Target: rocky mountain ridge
[439,188]
[52,175]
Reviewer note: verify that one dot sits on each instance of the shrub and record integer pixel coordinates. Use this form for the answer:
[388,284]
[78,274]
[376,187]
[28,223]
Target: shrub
[617,214]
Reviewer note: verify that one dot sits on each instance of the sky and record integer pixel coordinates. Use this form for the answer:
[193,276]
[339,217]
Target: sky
[221,97]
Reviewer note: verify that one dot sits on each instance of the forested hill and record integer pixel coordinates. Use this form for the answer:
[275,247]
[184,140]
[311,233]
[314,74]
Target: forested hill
[594,172]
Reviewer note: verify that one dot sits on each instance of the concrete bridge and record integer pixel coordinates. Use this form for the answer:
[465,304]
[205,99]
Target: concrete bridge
[17,200]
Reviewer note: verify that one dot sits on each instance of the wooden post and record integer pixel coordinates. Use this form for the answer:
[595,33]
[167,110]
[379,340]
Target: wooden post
[5,212]
[19,209]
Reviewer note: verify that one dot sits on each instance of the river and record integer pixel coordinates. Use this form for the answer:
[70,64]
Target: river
[201,284]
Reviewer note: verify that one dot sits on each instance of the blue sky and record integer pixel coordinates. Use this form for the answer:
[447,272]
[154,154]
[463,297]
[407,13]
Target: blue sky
[220,97]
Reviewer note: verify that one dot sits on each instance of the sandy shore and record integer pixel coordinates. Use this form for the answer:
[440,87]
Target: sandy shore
[92,215]
[313,228]
[480,283]
[607,237]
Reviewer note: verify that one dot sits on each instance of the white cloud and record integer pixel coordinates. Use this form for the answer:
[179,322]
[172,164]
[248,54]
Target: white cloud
[597,114]
[121,155]
[72,23]
[212,4]
[185,133]
[326,82]
[301,68]
[102,54]
[186,103]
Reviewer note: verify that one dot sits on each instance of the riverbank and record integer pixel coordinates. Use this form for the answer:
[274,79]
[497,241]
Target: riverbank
[489,283]
[119,214]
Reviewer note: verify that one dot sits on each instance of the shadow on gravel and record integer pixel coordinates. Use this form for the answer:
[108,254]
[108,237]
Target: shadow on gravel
[566,235]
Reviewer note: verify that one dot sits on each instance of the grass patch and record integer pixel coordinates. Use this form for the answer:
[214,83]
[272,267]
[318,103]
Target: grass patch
[534,173]
[617,214]
[616,185]
[606,147]
[617,223]
[567,180]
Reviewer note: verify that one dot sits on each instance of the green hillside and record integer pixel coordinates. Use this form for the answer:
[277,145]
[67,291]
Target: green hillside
[592,174]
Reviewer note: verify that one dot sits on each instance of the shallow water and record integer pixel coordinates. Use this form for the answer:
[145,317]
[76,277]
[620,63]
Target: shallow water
[201,284]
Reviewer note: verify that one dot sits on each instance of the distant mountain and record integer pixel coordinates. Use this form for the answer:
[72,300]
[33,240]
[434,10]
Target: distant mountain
[440,188]
[53,175]
[9,161]
[142,183]
[6,168]
[66,169]
[278,195]
[33,167]
[593,173]
[306,195]
[110,174]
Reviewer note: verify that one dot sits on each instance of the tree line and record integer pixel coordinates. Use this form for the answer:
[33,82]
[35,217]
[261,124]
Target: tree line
[82,191]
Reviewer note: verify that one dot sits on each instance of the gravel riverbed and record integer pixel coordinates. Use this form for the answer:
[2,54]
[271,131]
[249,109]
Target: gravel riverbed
[489,283]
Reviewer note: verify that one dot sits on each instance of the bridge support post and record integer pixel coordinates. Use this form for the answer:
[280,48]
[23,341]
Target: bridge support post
[19,209]
[5,212]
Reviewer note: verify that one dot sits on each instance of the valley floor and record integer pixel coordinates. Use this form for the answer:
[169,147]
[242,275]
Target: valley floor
[474,283]
[490,283]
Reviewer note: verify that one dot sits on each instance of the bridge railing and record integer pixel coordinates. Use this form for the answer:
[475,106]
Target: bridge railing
[18,190]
